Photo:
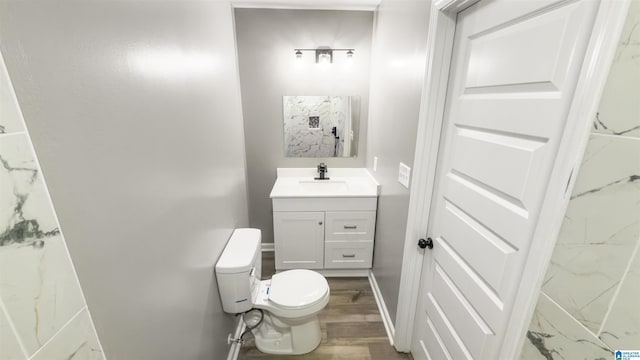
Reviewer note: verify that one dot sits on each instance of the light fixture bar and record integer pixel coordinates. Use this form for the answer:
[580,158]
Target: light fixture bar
[323,55]
[299,49]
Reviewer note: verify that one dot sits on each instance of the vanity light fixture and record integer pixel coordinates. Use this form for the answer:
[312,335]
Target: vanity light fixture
[324,55]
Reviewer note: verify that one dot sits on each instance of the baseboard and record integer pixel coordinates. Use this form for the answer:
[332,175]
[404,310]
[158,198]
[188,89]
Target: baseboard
[382,307]
[234,350]
[268,247]
[343,272]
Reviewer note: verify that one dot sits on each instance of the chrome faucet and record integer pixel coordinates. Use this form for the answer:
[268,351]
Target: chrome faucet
[322,170]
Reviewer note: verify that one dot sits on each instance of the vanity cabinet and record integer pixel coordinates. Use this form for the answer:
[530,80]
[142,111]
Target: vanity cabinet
[333,241]
[325,225]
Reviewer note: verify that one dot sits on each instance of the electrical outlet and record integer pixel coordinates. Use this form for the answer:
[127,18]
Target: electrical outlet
[375,163]
[404,175]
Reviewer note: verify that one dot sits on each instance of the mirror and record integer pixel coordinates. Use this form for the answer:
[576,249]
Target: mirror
[320,126]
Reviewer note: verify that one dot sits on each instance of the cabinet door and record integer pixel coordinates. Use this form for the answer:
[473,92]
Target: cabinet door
[299,239]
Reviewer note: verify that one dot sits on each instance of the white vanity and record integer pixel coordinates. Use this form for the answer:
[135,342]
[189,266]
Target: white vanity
[325,225]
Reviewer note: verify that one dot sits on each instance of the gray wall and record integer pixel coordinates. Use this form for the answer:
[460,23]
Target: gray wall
[399,56]
[268,70]
[134,110]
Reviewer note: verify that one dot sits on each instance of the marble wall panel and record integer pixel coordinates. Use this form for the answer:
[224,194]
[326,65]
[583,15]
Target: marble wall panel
[621,330]
[9,346]
[37,283]
[76,341]
[619,108]
[554,334]
[600,230]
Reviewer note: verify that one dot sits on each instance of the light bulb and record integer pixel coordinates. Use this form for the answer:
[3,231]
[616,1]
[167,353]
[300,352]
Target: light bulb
[324,59]
[349,61]
[324,56]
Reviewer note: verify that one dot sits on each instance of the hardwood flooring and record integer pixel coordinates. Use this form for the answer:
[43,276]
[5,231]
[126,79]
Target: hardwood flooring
[351,324]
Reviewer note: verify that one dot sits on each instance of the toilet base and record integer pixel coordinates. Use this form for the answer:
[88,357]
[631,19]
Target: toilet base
[282,337]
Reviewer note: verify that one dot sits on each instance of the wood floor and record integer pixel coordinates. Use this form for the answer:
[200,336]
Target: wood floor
[351,324]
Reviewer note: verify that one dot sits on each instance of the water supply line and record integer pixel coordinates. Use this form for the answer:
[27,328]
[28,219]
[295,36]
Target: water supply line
[249,328]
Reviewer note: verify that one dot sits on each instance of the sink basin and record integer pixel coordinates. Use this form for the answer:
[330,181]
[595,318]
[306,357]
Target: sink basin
[323,186]
[344,182]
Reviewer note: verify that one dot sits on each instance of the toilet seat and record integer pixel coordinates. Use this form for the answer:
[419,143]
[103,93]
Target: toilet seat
[297,289]
[297,294]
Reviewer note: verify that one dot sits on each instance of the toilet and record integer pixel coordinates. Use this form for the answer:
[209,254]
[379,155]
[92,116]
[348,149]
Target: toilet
[290,301]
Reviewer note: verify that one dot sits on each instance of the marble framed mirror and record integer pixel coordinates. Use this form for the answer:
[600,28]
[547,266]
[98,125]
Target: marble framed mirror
[321,126]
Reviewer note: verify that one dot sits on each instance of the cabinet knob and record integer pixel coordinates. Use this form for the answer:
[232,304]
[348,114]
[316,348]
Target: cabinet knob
[319,222]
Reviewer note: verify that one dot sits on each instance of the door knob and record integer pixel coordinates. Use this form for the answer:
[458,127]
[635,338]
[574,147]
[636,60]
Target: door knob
[422,243]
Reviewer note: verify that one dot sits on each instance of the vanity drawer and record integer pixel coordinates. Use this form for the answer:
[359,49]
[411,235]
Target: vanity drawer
[350,225]
[348,254]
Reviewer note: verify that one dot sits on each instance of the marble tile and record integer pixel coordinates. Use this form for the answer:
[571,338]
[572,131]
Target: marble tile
[619,110]
[621,330]
[25,213]
[37,281]
[600,230]
[77,341]
[10,117]
[9,346]
[553,334]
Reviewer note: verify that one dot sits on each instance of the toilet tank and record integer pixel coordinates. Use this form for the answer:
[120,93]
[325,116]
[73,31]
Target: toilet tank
[238,270]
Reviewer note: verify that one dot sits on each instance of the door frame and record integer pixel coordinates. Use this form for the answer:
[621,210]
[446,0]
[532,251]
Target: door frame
[593,75]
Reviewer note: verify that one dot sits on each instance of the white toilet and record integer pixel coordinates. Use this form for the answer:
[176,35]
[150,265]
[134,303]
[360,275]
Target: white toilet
[290,301]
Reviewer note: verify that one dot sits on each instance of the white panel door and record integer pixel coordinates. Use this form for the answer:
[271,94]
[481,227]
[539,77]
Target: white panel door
[299,239]
[513,73]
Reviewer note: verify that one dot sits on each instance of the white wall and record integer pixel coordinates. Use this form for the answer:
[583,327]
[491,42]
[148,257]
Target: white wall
[588,306]
[399,58]
[268,70]
[134,110]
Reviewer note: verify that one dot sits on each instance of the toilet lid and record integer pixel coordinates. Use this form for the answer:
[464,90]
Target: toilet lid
[297,288]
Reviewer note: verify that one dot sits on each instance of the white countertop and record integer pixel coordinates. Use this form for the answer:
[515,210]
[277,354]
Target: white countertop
[343,182]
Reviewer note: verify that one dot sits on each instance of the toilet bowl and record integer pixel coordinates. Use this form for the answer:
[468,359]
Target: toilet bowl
[290,301]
